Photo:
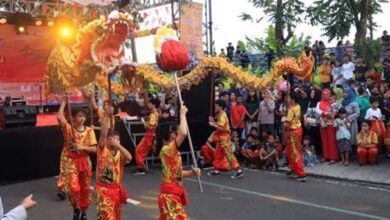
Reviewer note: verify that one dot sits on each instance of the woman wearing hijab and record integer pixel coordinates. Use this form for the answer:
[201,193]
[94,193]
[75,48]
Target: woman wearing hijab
[312,120]
[353,112]
[328,132]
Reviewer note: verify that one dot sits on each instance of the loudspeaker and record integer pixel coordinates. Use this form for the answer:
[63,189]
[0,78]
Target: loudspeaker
[18,116]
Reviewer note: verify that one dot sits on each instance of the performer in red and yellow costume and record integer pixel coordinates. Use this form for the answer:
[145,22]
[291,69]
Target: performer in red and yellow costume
[111,159]
[209,154]
[147,141]
[75,175]
[377,124]
[294,139]
[222,139]
[173,196]
[367,141]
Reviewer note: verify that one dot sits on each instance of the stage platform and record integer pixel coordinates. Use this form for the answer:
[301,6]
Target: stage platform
[34,152]
[259,195]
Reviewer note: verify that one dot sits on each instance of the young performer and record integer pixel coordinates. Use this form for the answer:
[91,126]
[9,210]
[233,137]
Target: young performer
[374,114]
[111,159]
[294,139]
[79,140]
[222,139]
[173,196]
[147,141]
[367,141]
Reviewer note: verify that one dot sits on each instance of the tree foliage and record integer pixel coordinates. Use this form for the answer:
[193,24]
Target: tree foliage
[339,16]
[284,14]
[270,44]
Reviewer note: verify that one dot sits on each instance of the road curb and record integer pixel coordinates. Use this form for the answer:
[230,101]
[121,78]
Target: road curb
[349,180]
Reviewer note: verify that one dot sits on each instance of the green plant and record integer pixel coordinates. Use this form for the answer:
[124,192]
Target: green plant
[293,47]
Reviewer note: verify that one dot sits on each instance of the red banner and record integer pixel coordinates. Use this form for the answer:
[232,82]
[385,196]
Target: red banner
[23,57]
[191,27]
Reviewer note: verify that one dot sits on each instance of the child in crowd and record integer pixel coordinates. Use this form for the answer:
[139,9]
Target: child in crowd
[254,132]
[336,74]
[387,139]
[386,105]
[246,150]
[325,73]
[374,115]
[343,136]
[236,144]
[309,156]
[252,154]
[367,144]
[269,154]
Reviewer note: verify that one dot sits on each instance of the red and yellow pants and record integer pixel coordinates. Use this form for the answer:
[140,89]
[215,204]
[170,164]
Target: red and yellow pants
[108,199]
[77,178]
[294,151]
[379,128]
[171,200]
[209,157]
[60,182]
[369,153]
[224,145]
[143,149]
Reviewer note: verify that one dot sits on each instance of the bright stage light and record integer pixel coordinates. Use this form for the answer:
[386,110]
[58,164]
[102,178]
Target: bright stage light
[38,22]
[21,29]
[3,20]
[65,32]
[50,23]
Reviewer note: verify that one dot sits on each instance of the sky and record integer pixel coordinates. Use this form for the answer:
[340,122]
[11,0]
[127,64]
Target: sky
[228,27]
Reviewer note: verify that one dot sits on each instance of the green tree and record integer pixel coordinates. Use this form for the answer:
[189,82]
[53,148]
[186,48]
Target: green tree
[339,16]
[292,48]
[285,15]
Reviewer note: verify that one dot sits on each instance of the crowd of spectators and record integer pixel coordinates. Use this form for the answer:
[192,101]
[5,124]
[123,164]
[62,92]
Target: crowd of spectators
[347,116]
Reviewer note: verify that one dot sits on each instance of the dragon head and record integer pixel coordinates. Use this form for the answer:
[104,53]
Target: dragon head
[107,49]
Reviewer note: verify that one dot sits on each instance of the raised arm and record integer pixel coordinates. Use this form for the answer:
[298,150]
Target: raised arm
[60,114]
[104,131]
[105,125]
[92,103]
[126,154]
[182,131]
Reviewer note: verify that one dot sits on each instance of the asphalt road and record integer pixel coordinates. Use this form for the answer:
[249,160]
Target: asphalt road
[260,195]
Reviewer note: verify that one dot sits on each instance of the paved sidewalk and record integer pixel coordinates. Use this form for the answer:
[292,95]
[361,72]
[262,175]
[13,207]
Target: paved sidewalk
[376,174]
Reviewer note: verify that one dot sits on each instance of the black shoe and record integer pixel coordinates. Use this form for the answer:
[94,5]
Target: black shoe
[237,175]
[76,214]
[213,173]
[301,179]
[289,173]
[61,195]
[83,216]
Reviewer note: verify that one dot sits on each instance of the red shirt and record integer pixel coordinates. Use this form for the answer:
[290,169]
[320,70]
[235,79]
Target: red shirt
[377,77]
[237,112]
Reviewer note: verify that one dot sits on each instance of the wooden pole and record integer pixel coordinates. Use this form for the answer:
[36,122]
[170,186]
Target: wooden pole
[68,109]
[110,100]
[189,135]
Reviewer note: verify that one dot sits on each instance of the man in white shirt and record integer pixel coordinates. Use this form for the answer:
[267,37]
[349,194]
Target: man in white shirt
[347,70]
[20,212]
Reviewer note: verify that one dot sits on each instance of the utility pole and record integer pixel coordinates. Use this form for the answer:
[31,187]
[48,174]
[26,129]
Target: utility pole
[211,53]
[206,26]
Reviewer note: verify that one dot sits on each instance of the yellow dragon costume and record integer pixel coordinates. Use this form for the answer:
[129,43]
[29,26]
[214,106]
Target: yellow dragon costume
[99,45]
